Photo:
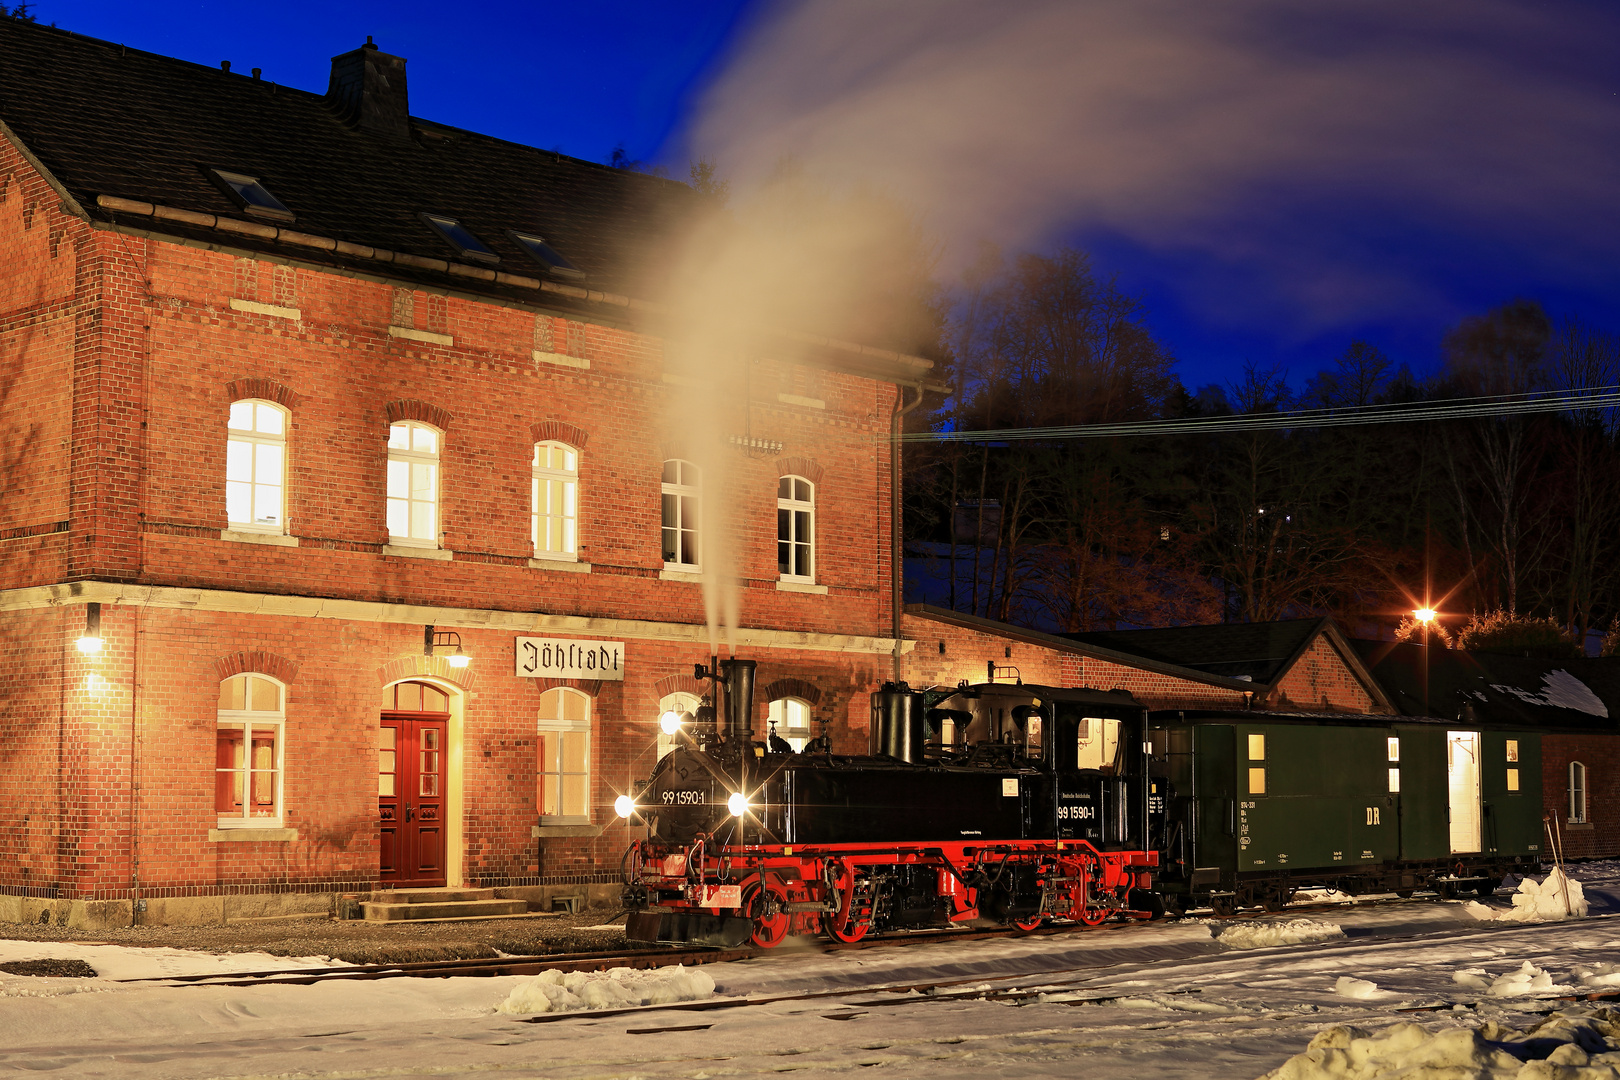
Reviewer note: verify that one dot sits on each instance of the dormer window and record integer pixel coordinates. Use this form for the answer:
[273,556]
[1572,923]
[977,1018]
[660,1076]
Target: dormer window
[457,236]
[546,255]
[250,195]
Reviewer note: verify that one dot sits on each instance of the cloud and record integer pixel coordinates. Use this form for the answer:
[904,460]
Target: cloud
[1255,133]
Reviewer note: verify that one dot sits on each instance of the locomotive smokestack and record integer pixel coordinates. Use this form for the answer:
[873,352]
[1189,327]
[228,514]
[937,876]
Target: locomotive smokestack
[739,679]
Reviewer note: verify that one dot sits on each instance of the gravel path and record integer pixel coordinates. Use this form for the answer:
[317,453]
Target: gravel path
[359,942]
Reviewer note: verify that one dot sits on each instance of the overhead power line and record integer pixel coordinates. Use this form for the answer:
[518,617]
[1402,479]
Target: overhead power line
[1589,397]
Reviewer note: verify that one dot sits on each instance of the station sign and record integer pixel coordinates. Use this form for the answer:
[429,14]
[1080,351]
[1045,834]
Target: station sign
[564,658]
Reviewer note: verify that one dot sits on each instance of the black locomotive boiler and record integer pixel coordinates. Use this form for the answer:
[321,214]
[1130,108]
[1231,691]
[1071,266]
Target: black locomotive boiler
[1009,802]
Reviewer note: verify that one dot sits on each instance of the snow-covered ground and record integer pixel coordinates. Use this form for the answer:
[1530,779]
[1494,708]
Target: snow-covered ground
[1188,999]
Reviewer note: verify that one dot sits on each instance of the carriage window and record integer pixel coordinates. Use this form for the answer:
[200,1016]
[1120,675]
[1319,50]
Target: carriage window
[1098,743]
[1394,748]
[1394,781]
[1513,749]
[1257,747]
[1513,779]
[1257,781]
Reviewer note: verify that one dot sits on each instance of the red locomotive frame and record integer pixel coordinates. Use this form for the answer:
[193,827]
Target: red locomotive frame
[787,890]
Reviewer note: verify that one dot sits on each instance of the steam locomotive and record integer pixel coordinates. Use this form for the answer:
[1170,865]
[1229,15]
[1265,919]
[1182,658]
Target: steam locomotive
[1020,804]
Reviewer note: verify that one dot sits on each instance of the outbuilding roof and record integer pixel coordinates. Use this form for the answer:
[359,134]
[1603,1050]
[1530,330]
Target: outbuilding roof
[1578,694]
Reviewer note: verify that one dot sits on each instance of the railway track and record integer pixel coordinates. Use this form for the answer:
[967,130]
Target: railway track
[654,958]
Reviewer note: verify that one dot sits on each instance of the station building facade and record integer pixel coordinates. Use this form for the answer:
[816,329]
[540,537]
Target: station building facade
[307,400]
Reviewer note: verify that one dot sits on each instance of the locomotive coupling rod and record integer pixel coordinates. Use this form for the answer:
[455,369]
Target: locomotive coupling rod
[808,905]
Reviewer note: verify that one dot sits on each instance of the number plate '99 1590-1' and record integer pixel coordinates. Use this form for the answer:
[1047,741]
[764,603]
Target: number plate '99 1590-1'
[683,798]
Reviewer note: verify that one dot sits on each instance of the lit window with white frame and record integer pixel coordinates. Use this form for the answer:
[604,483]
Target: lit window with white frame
[682,490]
[796,529]
[413,484]
[256,467]
[1577,793]
[679,702]
[790,719]
[248,752]
[554,501]
[563,757]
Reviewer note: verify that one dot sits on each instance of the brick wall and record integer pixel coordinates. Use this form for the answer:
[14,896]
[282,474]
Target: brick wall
[1600,753]
[1321,680]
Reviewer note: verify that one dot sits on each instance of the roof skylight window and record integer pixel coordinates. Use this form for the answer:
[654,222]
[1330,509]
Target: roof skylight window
[546,255]
[457,236]
[250,195]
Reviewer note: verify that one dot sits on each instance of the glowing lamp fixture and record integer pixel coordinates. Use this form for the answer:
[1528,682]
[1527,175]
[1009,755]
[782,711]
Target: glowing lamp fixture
[442,639]
[670,722]
[624,806]
[737,804]
[1424,615]
[90,643]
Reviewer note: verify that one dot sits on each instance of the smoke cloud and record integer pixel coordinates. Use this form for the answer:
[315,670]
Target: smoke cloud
[1280,140]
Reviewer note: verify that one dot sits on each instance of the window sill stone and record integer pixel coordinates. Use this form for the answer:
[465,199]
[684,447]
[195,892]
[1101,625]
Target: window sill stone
[1577,826]
[543,832]
[401,551]
[561,360]
[801,587]
[680,575]
[805,402]
[251,836]
[566,565]
[235,536]
[425,336]
[275,311]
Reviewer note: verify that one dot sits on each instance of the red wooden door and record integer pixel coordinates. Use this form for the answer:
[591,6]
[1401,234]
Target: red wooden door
[410,797]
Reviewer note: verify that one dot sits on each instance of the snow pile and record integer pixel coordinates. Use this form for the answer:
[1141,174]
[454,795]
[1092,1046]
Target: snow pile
[1552,899]
[616,988]
[1360,989]
[1527,979]
[1261,935]
[1596,976]
[1570,1046]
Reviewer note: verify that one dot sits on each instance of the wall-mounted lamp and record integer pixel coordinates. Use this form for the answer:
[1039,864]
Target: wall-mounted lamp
[443,639]
[90,643]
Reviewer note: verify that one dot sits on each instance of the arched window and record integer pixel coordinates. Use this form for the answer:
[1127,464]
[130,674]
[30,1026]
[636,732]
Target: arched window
[563,757]
[796,529]
[679,702]
[256,467]
[1577,793]
[554,501]
[683,484]
[790,720]
[248,752]
[413,484]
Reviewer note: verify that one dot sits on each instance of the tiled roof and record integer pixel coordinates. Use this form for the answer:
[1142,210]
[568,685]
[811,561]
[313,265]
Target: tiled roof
[106,120]
[1257,651]
[1582,693]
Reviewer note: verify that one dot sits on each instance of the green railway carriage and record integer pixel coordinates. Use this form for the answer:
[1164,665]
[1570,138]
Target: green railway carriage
[1247,808]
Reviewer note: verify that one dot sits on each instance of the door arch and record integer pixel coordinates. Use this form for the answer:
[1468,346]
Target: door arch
[419,784]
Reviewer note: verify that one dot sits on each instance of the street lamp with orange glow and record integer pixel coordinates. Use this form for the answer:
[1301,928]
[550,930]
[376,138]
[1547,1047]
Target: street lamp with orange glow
[1426,616]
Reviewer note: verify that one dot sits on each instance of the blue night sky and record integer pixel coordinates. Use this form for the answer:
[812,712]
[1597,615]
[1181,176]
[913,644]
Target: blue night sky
[1274,181]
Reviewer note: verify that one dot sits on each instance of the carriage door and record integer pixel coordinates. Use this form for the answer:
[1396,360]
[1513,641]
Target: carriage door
[1462,781]
[410,785]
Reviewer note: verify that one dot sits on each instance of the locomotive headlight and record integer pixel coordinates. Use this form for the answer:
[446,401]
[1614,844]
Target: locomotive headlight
[624,806]
[670,722]
[737,804]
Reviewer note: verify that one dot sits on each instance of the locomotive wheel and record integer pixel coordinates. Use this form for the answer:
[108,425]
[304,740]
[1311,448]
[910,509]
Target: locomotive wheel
[1223,907]
[1032,923]
[852,931]
[767,907]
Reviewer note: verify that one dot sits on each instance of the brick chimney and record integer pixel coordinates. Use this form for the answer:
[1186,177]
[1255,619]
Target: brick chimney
[368,91]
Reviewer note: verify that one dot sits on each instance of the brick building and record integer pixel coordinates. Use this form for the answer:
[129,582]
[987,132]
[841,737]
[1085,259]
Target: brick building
[303,397]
